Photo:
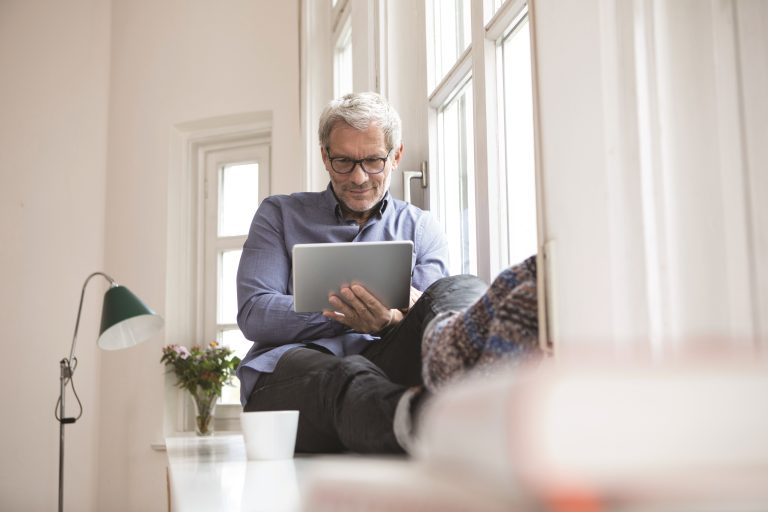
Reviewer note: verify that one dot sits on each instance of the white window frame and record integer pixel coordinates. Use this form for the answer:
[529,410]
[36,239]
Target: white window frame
[506,25]
[479,62]
[339,14]
[256,150]
[343,68]
[196,146]
[446,209]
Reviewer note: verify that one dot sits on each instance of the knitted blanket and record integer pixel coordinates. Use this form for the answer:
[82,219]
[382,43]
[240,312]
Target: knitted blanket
[502,326]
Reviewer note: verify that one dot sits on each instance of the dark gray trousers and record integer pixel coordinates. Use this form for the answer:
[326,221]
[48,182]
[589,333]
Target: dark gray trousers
[349,403]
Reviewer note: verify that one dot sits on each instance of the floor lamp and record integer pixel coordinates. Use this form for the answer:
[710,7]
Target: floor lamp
[125,321]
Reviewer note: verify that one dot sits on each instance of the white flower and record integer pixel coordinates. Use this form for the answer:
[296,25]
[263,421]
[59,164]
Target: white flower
[182,351]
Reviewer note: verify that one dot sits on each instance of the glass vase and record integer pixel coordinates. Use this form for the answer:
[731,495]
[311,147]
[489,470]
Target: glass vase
[205,407]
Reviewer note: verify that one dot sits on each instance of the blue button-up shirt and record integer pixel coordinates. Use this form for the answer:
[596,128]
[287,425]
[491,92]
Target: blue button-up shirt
[265,284]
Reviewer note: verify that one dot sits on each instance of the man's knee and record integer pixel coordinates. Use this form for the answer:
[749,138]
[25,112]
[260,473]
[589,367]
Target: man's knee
[334,396]
[455,292]
[359,400]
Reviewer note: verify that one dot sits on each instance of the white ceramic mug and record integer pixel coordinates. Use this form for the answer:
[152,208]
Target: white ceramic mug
[269,435]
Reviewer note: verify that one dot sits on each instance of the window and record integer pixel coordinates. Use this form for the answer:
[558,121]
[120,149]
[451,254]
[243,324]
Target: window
[456,203]
[233,192]
[477,111]
[342,63]
[453,196]
[451,36]
[220,173]
[342,49]
[494,8]
[517,149]
[481,132]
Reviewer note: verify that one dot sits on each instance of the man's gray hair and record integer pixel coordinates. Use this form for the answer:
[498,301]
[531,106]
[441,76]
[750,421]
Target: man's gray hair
[361,110]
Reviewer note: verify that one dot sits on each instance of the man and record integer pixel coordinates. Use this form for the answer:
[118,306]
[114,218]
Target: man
[344,369]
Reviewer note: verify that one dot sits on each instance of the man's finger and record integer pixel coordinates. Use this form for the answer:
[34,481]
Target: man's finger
[349,295]
[354,301]
[371,302]
[338,317]
[339,305]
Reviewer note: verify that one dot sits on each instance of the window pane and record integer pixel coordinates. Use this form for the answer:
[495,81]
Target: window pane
[227,300]
[238,198]
[494,6]
[451,26]
[235,340]
[518,144]
[342,64]
[457,191]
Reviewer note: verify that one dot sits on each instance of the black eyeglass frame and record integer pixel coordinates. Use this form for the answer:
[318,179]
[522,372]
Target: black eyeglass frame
[355,163]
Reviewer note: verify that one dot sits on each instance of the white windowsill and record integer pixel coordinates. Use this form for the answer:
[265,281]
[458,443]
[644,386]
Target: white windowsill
[160,446]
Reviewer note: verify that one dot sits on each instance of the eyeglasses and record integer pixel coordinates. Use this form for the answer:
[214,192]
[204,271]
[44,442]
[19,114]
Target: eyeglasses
[370,165]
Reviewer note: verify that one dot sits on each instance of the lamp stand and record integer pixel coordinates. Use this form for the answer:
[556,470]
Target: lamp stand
[65,376]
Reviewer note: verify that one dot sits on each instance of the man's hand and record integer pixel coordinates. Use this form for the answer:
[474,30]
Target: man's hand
[356,308]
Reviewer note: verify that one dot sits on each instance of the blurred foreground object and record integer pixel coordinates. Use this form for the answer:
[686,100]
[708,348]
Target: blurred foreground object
[680,436]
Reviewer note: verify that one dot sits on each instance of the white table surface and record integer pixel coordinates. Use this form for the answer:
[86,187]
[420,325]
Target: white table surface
[213,473]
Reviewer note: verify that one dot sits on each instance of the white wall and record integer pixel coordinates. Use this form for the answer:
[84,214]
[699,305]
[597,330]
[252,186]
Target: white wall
[54,58]
[89,95]
[174,62]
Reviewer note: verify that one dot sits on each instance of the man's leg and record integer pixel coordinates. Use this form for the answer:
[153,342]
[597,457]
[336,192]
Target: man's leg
[343,403]
[398,353]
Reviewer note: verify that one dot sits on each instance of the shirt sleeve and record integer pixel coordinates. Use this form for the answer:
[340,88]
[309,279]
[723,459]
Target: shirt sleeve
[265,307]
[431,247]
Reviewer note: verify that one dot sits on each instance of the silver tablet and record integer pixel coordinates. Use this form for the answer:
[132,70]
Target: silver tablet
[384,268]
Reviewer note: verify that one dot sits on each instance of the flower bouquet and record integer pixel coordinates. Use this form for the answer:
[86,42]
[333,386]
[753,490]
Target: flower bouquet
[202,372]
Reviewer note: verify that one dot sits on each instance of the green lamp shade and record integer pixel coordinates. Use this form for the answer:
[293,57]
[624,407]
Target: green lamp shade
[125,320]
